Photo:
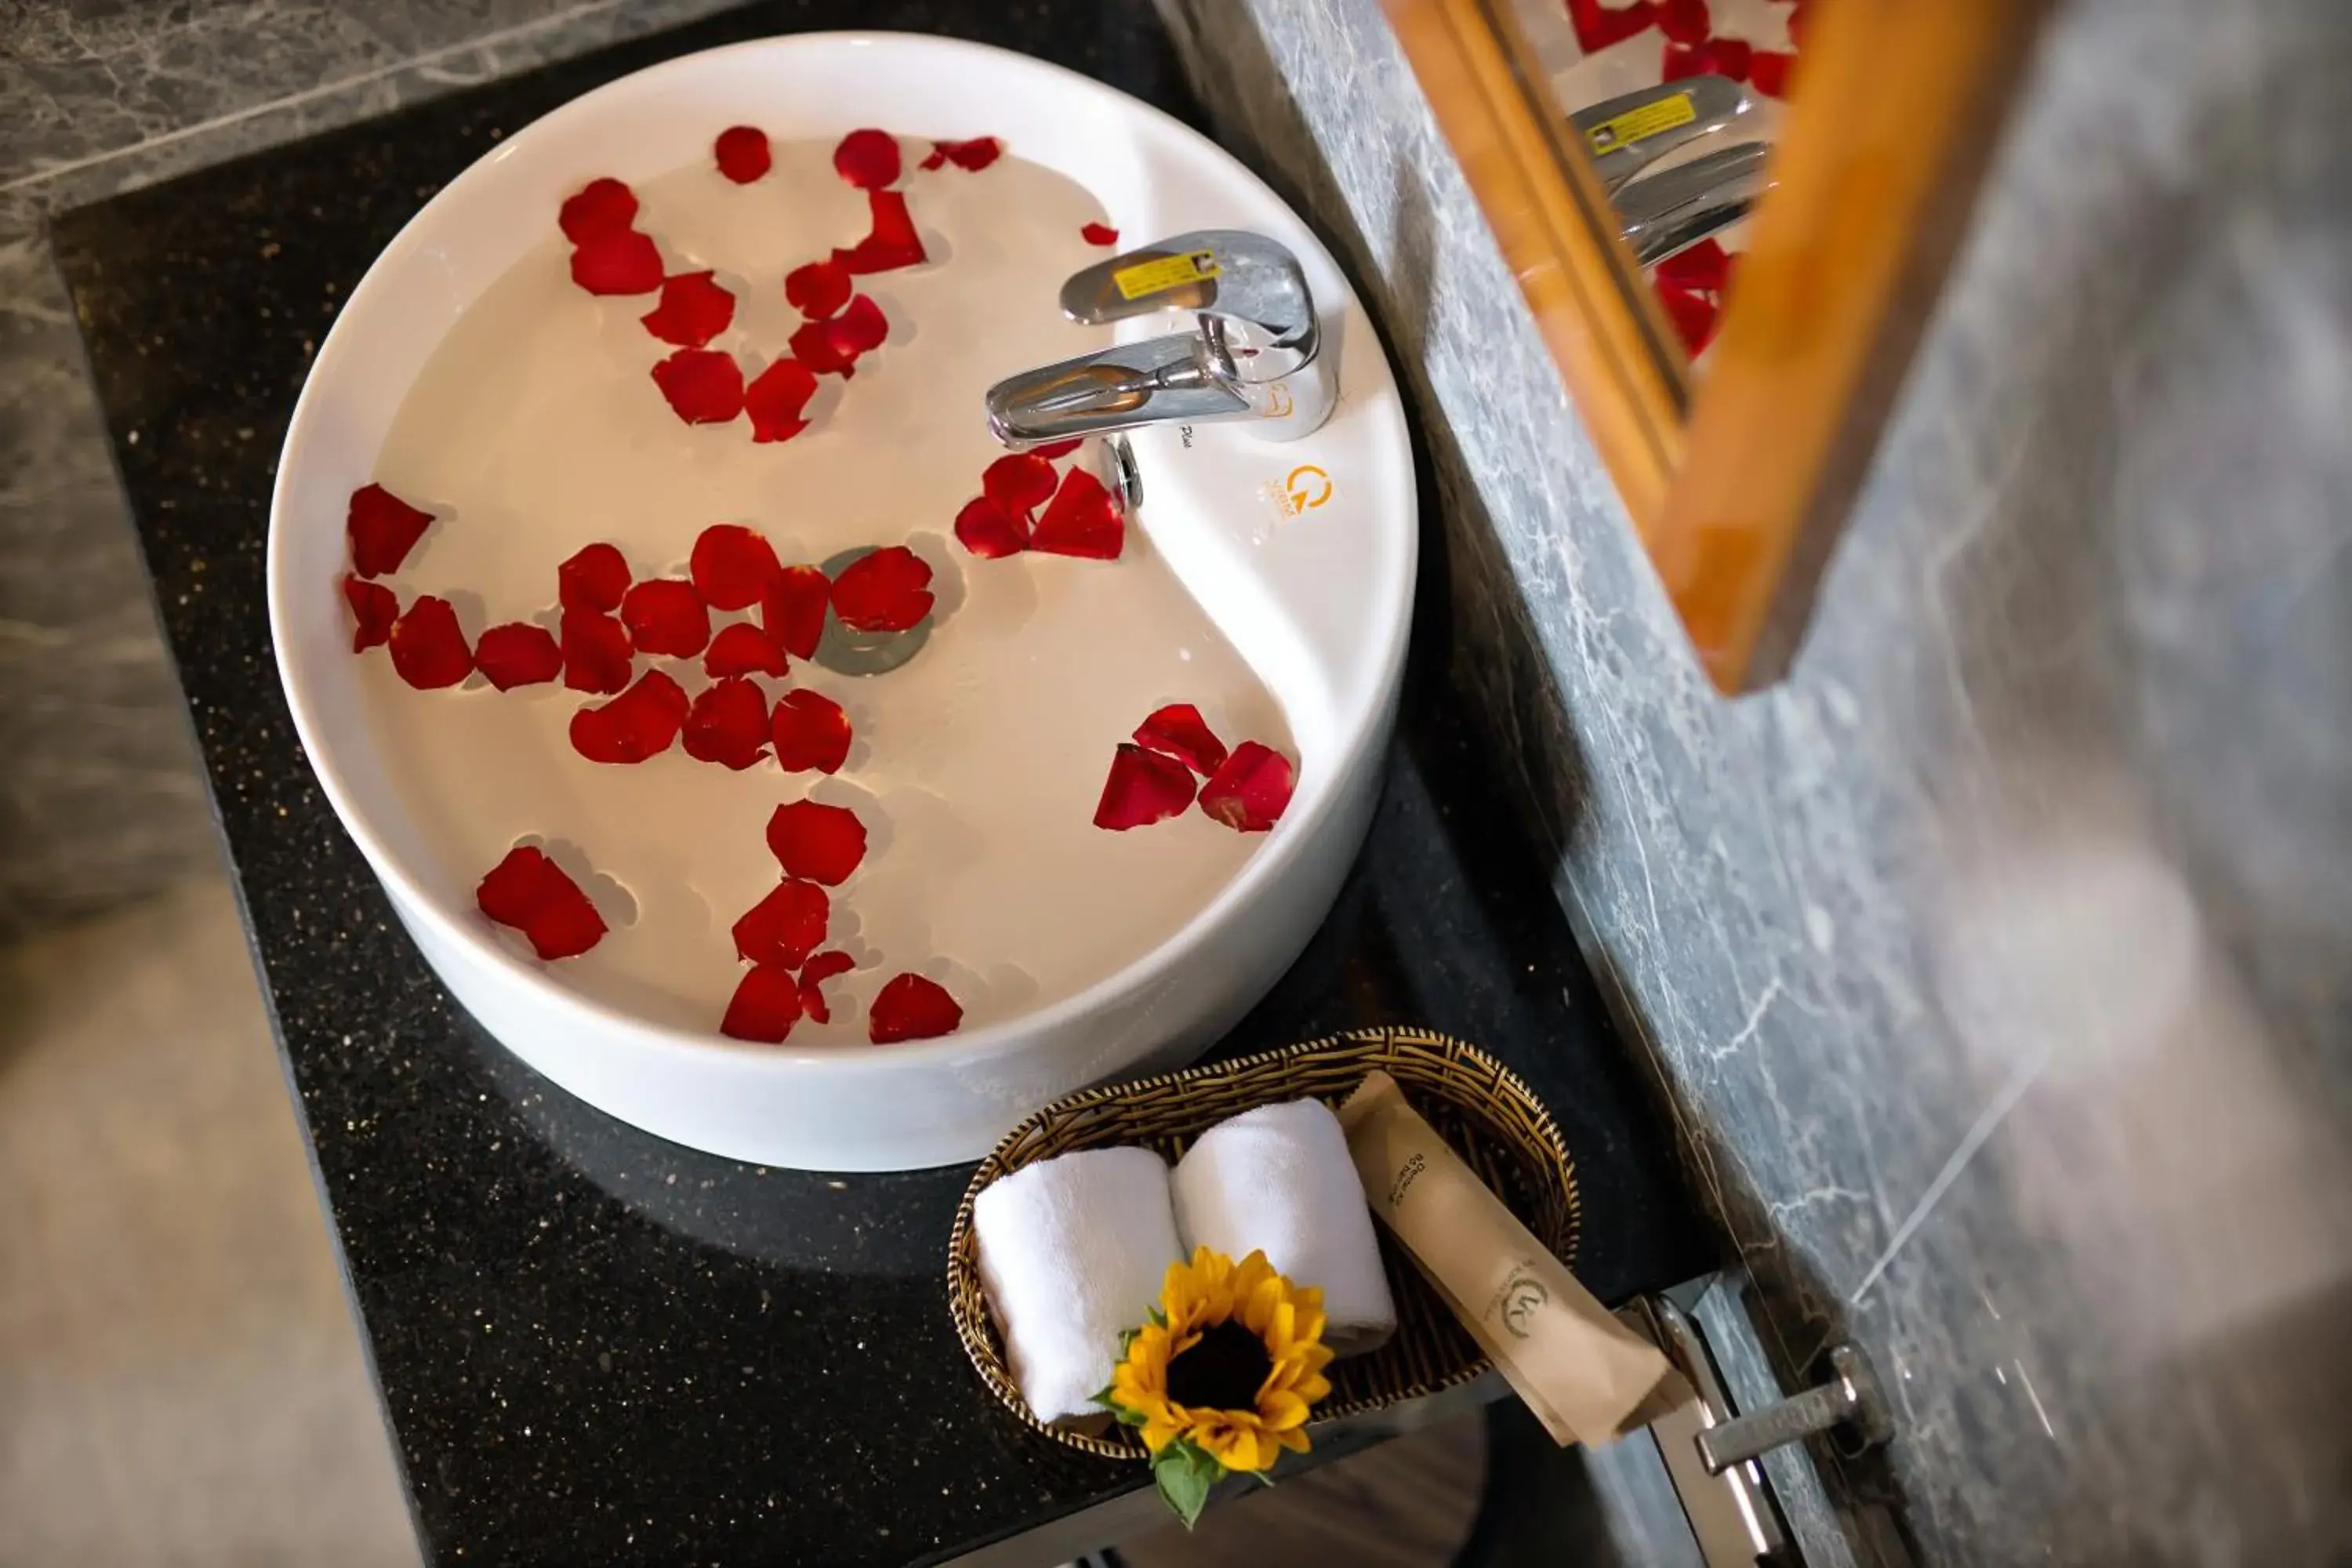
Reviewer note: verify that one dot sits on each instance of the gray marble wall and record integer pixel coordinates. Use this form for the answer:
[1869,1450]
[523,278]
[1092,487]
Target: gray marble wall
[1998,966]
[100,800]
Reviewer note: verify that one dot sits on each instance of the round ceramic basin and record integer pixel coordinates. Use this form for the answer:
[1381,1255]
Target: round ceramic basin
[1298,557]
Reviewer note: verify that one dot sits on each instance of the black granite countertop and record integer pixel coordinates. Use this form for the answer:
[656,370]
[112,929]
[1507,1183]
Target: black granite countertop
[594,1346]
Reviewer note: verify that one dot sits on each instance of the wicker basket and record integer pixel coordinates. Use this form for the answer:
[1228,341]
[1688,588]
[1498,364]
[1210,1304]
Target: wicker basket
[1478,1106]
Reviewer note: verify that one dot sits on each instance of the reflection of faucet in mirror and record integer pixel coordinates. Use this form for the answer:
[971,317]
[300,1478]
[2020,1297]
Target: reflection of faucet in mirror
[1630,132]
[1251,354]
[1664,210]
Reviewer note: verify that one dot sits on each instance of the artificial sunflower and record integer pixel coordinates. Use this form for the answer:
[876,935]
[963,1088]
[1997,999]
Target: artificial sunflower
[1223,1376]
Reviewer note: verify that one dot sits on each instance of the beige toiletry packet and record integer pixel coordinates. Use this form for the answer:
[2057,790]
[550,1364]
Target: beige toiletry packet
[1584,1375]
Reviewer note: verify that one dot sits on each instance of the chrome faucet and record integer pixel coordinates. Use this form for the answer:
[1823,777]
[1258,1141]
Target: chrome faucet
[1630,132]
[1661,211]
[1253,353]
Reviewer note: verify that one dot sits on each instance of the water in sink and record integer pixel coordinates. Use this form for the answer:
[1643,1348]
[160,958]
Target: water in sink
[535,429]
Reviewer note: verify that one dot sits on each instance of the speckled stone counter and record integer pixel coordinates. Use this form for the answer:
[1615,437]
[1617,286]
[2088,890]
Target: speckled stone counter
[594,1346]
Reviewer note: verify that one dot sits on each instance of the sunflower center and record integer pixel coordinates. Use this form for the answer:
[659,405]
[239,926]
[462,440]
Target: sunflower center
[1222,1370]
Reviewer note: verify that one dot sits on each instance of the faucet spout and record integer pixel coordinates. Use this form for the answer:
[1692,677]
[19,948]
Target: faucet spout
[1159,381]
[1252,354]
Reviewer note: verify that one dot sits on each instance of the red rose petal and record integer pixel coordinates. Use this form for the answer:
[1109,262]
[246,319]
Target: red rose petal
[742,154]
[775,398]
[692,311]
[566,927]
[599,208]
[531,893]
[1730,56]
[728,724]
[1768,70]
[428,648]
[820,968]
[732,566]
[1082,520]
[1684,21]
[890,243]
[383,529]
[811,732]
[1705,266]
[909,1007]
[833,346]
[861,327]
[1250,793]
[975,154]
[1143,787]
[817,842]
[785,927]
[620,262]
[1019,481]
[593,579]
[1598,26]
[817,290]
[936,157]
[886,591]
[1053,450]
[988,530]
[819,351]
[1178,730]
[1694,315]
[1100,234]
[793,610]
[374,609]
[640,722]
[516,886]
[867,159]
[596,652]
[766,1006]
[665,615]
[518,653]
[703,385]
[742,648]
[823,966]
[1680,60]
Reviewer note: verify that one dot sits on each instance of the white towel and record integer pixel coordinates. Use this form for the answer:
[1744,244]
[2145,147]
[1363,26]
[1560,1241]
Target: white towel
[1279,1180]
[1073,1250]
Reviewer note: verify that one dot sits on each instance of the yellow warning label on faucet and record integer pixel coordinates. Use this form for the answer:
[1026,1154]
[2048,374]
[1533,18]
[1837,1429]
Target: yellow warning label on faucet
[1639,124]
[1162,273]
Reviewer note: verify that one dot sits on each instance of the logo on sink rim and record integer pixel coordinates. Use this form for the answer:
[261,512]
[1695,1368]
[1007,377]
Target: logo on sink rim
[1304,489]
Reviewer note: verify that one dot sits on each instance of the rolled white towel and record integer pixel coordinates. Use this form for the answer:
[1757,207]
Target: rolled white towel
[1279,1180]
[1073,1250]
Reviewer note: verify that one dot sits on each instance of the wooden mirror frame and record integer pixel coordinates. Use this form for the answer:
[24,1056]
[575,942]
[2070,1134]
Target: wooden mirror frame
[1739,479]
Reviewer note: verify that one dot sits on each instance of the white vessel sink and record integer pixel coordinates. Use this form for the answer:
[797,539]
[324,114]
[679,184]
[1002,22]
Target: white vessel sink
[1302,553]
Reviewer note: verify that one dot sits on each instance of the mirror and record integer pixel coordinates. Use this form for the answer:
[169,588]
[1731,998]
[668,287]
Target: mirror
[1731,218]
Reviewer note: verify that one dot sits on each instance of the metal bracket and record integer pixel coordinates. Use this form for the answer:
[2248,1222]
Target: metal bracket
[1852,1399]
[1710,1452]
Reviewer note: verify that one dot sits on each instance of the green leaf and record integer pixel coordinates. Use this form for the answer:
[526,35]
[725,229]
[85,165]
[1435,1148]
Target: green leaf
[1159,1317]
[1185,1474]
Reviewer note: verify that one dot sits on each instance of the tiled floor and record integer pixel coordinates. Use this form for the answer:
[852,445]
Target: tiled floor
[180,1382]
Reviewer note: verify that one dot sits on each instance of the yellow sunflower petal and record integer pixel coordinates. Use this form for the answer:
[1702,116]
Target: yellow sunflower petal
[1215,1439]
[1257,1308]
[1294,1439]
[1279,1412]
[1157,1435]
[1263,1448]
[1313,1388]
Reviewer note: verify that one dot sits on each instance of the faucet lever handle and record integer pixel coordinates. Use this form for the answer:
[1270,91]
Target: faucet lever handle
[1245,288]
